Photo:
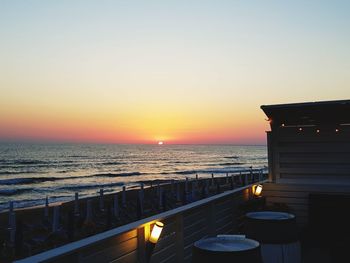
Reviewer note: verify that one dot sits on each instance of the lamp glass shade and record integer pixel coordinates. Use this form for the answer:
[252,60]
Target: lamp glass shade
[156,231]
[258,190]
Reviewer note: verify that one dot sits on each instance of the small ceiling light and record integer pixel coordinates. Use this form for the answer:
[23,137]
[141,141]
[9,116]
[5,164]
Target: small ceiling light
[318,131]
[282,125]
[336,130]
[300,129]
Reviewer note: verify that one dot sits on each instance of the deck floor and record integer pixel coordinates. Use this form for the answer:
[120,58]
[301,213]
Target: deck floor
[311,255]
[326,253]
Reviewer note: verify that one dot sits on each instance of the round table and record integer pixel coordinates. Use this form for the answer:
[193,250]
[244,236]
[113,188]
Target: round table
[277,233]
[226,249]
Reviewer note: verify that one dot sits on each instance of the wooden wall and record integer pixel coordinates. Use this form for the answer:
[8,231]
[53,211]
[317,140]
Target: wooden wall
[308,156]
[296,196]
[306,161]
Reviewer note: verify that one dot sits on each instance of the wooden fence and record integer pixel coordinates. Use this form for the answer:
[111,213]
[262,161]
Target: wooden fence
[218,214]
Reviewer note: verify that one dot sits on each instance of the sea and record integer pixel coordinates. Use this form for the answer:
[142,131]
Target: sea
[29,172]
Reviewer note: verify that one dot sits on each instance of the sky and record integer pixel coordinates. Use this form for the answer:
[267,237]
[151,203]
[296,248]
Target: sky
[182,72]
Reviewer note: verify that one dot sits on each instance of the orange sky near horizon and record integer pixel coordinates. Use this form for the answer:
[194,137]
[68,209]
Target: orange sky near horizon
[144,128]
[182,72]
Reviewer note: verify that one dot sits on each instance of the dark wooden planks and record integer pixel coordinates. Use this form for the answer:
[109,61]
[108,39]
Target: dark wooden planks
[128,258]
[112,249]
[296,197]
[298,156]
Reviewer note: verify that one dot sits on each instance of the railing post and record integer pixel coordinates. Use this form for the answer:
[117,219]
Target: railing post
[141,245]
[172,188]
[76,204]
[124,196]
[179,238]
[232,182]
[211,218]
[46,211]
[160,198]
[142,191]
[260,175]
[12,227]
[207,192]
[56,216]
[178,195]
[101,202]
[251,175]
[193,191]
[246,179]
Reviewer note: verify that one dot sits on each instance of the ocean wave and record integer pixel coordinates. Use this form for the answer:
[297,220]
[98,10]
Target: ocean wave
[64,171]
[180,162]
[28,180]
[117,174]
[184,172]
[211,171]
[22,161]
[231,157]
[90,186]
[34,180]
[259,158]
[230,164]
[34,162]
[113,163]
[9,192]
[43,165]
[17,172]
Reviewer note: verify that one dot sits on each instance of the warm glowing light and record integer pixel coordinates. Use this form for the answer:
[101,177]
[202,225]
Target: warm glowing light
[257,189]
[156,231]
[317,131]
[282,124]
[160,143]
[336,130]
[300,129]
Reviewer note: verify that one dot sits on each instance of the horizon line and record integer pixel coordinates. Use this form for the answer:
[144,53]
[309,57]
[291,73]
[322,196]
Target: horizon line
[121,143]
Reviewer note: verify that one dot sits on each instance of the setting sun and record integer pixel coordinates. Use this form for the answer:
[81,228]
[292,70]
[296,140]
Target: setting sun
[160,143]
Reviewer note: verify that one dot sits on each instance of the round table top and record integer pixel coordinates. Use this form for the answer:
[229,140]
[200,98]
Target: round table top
[226,244]
[270,215]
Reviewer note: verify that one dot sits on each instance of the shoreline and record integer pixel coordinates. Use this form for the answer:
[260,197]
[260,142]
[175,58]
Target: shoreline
[134,185]
[107,195]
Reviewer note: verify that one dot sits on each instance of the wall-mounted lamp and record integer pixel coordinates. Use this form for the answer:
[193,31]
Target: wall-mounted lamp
[257,189]
[156,231]
[153,239]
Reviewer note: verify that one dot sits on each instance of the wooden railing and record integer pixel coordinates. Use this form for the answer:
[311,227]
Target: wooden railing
[218,214]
